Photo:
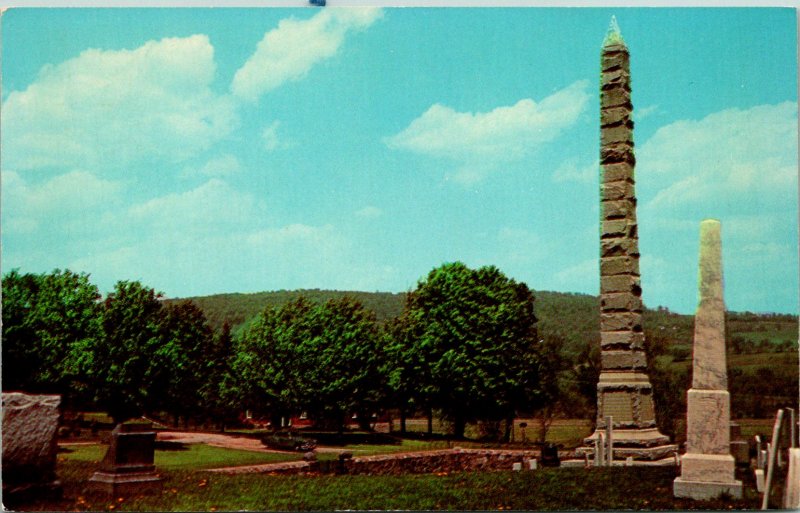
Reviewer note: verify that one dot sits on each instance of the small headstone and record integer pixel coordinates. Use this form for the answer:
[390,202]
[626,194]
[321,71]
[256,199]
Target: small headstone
[550,455]
[516,466]
[532,464]
[128,464]
[629,461]
[791,496]
[30,428]
[310,456]
[760,480]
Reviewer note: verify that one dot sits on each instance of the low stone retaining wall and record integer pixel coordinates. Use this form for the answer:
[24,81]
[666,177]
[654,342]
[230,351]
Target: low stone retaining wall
[449,460]
[423,462]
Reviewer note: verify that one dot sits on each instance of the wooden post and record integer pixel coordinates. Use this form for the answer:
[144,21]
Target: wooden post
[610,439]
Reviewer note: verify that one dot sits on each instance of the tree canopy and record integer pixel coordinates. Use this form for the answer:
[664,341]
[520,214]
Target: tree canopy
[473,334]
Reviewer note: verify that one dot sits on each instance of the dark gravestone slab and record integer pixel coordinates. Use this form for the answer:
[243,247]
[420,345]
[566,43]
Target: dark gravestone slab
[127,468]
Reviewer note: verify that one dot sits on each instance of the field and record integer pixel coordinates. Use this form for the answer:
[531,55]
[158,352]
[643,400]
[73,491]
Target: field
[188,488]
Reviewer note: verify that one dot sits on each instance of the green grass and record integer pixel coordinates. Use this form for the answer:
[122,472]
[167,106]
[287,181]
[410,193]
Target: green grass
[545,489]
[195,456]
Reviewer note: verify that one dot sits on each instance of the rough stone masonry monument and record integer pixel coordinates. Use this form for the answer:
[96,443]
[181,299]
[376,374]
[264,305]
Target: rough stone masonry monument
[624,391]
[707,468]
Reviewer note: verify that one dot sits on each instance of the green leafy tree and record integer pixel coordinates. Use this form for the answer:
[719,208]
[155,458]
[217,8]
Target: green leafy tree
[474,336]
[129,360]
[50,322]
[325,360]
[216,399]
[185,353]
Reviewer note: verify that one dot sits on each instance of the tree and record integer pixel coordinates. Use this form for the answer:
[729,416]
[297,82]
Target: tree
[50,322]
[216,398]
[325,360]
[129,359]
[474,336]
[185,351]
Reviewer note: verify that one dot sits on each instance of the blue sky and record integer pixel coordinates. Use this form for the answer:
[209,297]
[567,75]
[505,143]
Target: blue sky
[239,150]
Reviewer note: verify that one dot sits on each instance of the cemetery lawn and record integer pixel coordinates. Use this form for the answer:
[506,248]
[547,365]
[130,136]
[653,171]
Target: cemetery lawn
[188,488]
[190,456]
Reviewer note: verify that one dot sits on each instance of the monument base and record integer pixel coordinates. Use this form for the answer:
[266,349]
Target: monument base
[123,484]
[646,444]
[707,476]
[705,490]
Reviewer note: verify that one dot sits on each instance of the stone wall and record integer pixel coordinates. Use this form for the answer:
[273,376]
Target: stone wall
[450,460]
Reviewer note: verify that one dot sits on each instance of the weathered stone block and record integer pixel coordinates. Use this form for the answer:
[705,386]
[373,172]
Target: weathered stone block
[617,265]
[616,360]
[617,77]
[616,134]
[615,209]
[30,425]
[614,228]
[620,321]
[616,190]
[621,339]
[619,152]
[626,301]
[619,283]
[615,58]
[615,115]
[619,247]
[618,171]
[708,422]
[715,468]
[615,97]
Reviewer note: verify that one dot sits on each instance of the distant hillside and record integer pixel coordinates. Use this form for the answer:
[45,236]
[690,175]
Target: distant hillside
[575,318]
[237,308]
[762,359]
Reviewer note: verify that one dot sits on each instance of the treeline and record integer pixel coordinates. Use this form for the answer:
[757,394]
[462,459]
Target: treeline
[465,347]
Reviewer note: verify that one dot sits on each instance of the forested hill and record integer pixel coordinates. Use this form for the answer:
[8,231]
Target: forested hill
[574,318]
[237,308]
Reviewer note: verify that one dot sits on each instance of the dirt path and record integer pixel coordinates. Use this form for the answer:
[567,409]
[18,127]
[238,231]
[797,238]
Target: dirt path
[226,441]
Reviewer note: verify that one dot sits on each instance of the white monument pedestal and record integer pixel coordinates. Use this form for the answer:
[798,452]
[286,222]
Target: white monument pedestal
[707,476]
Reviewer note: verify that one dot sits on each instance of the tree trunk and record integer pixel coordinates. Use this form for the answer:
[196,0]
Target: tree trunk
[430,421]
[507,434]
[402,421]
[459,424]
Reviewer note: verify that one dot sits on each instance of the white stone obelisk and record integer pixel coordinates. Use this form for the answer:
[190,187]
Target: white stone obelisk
[707,468]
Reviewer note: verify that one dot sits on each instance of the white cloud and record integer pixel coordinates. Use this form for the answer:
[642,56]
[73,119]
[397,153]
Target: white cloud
[738,166]
[271,140]
[480,141]
[644,112]
[60,201]
[288,52]
[112,108]
[369,212]
[212,207]
[219,167]
[727,161]
[571,171]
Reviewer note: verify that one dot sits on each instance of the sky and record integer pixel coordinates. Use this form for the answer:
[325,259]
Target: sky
[205,150]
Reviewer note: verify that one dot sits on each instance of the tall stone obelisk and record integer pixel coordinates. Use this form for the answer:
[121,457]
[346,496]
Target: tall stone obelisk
[624,391]
[707,468]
